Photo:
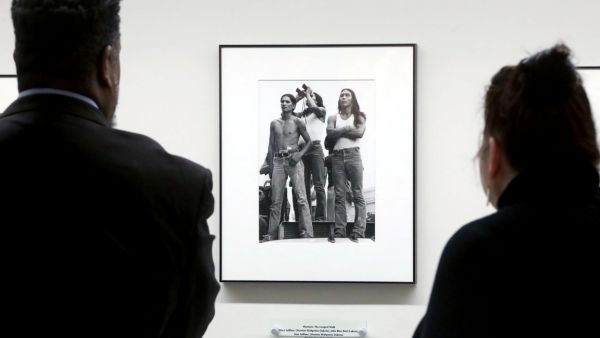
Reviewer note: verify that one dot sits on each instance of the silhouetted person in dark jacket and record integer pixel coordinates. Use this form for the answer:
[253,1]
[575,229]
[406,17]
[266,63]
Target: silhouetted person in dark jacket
[104,232]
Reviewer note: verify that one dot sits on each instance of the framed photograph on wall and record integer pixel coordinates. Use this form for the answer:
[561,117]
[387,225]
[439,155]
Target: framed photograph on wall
[317,156]
[591,81]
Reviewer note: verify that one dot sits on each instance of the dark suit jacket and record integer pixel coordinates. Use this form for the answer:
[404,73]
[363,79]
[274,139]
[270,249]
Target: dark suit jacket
[105,232]
[528,270]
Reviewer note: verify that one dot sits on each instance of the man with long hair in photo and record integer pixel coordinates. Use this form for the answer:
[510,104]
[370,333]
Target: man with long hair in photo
[283,160]
[345,130]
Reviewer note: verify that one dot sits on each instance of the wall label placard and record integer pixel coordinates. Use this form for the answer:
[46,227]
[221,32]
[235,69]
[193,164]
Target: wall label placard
[319,328]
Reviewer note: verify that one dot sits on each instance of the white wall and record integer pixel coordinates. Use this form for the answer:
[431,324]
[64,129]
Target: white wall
[170,91]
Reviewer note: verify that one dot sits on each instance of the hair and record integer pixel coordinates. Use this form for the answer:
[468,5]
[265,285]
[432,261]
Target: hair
[315,110]
[355,109]
[318,100]
[62,37]
[539,112]
[291,96]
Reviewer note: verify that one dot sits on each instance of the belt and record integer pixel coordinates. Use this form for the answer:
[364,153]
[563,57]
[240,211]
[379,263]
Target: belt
[285,153]
[315,142]
[340,151]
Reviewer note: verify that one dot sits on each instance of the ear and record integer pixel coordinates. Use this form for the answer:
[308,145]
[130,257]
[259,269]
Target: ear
[106,86]
[495,158]
[107,72]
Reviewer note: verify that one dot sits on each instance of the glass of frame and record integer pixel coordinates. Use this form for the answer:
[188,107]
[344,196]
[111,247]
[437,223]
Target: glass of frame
[280,218]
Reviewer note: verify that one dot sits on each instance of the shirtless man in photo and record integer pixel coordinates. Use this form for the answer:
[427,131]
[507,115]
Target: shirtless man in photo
[284,159]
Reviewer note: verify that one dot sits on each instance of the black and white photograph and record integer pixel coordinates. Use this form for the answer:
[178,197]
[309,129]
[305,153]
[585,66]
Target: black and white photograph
[297,198]
[317,160]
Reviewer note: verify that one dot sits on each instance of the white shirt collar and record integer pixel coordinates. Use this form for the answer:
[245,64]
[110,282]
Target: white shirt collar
[36,91]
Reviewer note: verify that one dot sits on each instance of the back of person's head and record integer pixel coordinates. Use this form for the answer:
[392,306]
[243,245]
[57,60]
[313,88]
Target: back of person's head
[62,38]
[318,100]
[538,111]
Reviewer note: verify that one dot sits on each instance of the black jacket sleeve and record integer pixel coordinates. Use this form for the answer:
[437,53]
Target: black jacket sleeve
[199,287]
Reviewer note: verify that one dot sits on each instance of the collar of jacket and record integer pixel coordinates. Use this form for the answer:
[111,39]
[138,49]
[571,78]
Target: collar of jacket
[561,183]
[56,104]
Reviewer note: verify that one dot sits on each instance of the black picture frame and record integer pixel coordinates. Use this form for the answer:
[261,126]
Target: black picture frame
[591,82]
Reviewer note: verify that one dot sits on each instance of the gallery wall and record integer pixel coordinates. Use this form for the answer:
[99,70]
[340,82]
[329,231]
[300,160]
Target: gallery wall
[170,91]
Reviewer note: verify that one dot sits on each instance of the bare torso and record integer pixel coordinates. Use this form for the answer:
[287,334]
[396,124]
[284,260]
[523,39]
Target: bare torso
[286,133]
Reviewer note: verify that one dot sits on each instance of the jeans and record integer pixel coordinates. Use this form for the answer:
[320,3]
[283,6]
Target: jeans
[314,165]
[330,204]
[347,166]
[281,170]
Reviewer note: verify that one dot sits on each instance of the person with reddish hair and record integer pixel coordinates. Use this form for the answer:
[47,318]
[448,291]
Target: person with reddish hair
[529,269]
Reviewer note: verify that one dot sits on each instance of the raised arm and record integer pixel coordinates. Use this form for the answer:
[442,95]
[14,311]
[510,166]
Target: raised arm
[310,102]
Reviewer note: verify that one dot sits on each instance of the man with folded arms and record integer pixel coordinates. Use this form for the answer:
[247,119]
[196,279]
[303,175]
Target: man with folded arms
[346,129]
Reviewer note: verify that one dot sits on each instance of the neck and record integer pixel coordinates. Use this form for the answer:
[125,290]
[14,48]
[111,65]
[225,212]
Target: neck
[568,183]
[500,184]
[286,115]
[50,82]
[80,87]
[346,111]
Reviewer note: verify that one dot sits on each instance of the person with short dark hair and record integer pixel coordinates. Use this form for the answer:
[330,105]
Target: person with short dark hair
[283,160]
[105,231]
[528,270]
[345,130]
